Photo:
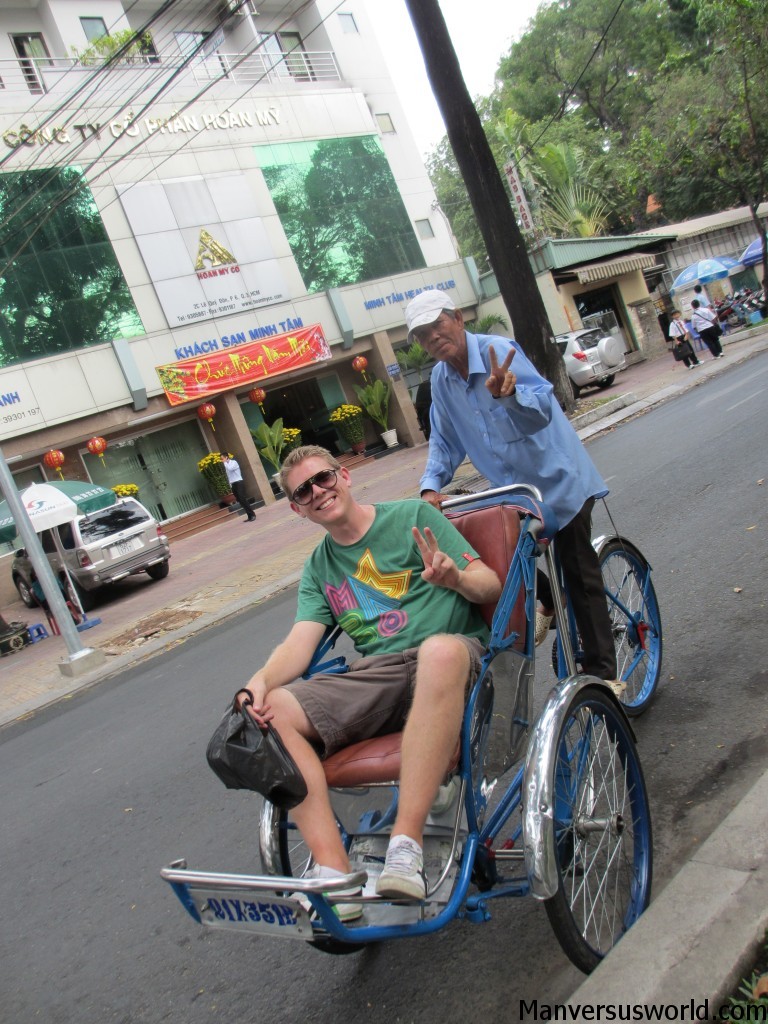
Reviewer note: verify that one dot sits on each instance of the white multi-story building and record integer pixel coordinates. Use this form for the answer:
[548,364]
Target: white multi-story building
[235,203]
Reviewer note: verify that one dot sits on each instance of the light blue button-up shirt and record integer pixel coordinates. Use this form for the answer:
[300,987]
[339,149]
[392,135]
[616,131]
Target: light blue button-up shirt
[522,439]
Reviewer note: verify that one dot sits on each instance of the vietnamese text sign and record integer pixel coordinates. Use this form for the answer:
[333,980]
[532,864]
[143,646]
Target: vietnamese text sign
[521,203]
[190,380]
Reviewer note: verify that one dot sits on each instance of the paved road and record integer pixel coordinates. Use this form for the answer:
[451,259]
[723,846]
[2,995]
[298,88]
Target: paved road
[100,791]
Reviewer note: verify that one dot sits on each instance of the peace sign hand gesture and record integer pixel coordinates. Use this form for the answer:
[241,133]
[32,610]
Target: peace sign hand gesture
[439,568]
[502,382]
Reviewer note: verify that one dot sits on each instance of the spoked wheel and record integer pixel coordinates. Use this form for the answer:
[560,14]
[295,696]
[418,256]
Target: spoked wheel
[602,830]
[635,621]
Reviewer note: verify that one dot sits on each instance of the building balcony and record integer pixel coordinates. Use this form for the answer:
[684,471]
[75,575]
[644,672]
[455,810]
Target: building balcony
[38,76]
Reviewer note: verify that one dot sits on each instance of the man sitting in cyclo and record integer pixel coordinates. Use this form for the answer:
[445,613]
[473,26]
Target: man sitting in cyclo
[404,585]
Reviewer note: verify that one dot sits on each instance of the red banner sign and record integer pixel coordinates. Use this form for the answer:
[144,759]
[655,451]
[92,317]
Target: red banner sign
[189,380]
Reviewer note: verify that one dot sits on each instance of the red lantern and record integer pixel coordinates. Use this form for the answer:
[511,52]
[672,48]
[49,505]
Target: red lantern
[257,395]
[97,446]
[360,363]
[54,459]
[207,411]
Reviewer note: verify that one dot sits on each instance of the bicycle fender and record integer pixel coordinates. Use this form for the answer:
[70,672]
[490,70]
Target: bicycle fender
[538,787]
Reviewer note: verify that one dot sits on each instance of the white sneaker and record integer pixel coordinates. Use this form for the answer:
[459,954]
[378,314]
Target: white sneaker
[543,624]
[403,875]
[617,685]
[344,911]
[446,796]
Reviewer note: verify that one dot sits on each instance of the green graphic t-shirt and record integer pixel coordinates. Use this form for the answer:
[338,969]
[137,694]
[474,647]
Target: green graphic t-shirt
[374,589]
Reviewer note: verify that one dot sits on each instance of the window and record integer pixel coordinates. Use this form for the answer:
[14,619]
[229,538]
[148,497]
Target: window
[384,121]
[189,42]
[424,227]
[284,55]
[94,28]
[33,54]
[348,23]
[338,202]
[63,289]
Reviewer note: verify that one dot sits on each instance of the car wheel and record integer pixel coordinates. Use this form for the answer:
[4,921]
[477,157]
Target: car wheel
[575,389]
[25,593]
[159,571]
[605,382]
[87,598]
[611,351]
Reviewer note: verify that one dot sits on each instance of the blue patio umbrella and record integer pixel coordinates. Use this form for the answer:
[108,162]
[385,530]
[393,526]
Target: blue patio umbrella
[753,253]
[705,271]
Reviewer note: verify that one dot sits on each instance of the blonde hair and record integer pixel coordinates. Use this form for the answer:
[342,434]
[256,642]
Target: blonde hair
[305,451]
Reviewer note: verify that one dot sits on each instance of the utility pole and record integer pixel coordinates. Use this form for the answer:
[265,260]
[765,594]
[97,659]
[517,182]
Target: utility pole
[490,202]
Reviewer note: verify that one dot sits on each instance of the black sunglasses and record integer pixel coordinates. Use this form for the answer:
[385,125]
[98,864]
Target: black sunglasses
[303,493]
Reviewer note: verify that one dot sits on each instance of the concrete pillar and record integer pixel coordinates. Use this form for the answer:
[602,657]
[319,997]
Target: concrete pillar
[402,414]
[233,435]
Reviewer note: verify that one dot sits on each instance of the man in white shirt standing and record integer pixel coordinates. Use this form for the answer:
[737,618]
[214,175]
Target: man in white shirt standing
[704,320]
[235,477]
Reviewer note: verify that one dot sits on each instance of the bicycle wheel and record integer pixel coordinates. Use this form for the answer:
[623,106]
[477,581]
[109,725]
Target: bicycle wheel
[635,622]
[602,830]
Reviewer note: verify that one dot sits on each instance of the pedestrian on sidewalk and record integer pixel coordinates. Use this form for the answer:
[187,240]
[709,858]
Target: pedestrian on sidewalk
[514,431]
[704,319]
[235,477]
[680,336]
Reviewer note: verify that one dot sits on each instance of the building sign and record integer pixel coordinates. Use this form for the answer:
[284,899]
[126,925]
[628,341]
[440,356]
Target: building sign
[521,203]
[204,245]
[189,380]
[133,127]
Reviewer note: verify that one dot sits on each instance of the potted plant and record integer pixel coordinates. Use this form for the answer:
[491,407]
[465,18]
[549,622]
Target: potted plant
[348,420]
[212,468]
[270,442]
[291,439]
[374,398]
[126,490]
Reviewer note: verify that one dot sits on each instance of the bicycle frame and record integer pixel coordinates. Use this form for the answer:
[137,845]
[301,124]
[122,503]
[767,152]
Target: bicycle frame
[226,900]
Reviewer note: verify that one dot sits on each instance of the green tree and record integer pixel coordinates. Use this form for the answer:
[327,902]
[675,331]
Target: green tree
[61,286]
[342,213]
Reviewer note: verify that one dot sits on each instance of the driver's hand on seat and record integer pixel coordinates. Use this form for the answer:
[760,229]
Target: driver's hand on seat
[435,498]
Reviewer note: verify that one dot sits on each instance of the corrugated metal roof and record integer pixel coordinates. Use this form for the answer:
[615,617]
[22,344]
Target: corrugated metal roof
[611,268]
[560,253]
[701,225]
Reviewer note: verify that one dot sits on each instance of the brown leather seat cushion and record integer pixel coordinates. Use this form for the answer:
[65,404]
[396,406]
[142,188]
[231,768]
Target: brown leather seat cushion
[369,761]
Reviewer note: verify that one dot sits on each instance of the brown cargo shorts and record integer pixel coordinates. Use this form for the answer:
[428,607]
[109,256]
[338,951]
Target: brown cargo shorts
[372,699]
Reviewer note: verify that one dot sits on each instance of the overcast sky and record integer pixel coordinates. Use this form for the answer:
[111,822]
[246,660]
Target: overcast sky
[481,30]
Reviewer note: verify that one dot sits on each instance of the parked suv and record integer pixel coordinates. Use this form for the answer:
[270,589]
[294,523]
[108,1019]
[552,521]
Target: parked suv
[592,358]
[100,549]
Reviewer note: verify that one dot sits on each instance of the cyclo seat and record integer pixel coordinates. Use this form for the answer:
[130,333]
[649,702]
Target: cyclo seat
[493,531]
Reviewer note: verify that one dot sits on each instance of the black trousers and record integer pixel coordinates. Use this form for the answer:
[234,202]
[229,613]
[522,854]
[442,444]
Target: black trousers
[581,571]
[711,339]
[238,489]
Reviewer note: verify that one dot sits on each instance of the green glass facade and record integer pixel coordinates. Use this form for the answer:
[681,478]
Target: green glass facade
[341,211]
[61,287]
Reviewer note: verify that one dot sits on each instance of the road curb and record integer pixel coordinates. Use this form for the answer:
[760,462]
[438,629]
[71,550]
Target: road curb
[702,931]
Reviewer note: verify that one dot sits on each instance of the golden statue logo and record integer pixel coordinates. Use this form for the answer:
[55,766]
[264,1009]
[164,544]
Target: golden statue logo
[212,252]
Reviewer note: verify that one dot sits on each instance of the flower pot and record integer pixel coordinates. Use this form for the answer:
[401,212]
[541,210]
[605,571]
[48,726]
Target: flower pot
[358,447]
[226,499]
[389,437]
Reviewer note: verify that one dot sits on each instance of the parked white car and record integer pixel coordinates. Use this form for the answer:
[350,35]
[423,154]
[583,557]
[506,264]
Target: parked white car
[592,358]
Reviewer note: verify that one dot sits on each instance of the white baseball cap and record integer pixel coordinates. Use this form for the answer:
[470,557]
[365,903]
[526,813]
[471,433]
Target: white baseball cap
[426,308]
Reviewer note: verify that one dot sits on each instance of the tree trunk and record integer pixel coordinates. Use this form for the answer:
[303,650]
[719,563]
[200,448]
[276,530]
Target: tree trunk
[490,202]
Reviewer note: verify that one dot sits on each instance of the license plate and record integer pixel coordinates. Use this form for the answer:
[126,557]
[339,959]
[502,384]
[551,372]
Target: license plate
[250,912]
[125,547]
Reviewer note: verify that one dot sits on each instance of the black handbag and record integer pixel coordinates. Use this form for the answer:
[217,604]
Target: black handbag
[247,756]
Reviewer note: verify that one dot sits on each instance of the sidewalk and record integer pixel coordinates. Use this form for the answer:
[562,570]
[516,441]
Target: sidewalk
[674,954]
